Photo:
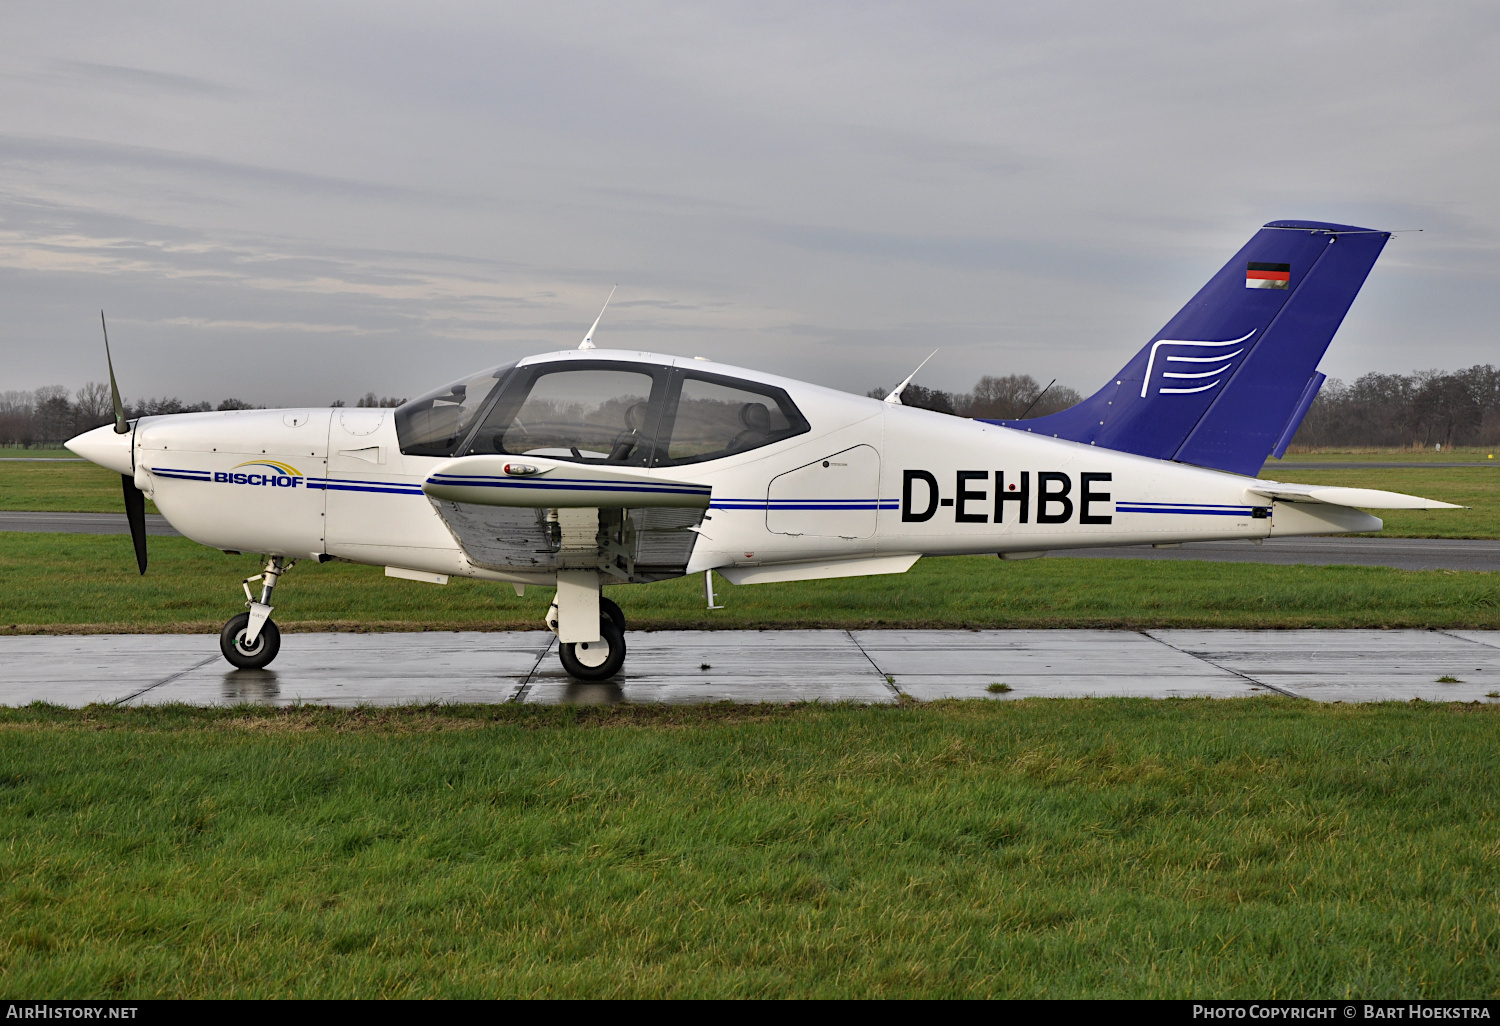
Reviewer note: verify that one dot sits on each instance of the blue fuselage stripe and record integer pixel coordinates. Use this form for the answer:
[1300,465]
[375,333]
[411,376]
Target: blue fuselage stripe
[1185,510]
[780,504]
[332,486]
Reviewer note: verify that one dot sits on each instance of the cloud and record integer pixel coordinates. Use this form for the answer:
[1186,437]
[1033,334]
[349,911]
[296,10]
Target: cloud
[116,76]
[299,327]
[354,197]
[100,157]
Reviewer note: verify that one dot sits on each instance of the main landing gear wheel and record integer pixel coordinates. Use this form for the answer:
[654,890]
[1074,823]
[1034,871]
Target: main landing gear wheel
[260,654]
[595,660]
[611,609]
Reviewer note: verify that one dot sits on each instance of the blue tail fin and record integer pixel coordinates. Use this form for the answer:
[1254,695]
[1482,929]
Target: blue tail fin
[1231,375]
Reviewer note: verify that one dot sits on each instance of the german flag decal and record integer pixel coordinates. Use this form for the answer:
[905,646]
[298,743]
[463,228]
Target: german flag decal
[1268,276]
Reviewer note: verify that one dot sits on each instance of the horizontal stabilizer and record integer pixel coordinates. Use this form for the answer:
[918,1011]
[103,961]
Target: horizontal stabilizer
[536,481]
[1361,498]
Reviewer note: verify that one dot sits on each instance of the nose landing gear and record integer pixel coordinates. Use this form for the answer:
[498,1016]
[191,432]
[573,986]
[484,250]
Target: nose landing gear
[246,654]
[251,640]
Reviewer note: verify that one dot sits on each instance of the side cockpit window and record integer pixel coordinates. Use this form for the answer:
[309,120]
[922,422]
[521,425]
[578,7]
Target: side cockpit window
[435,424]
[599,413]
[714,417]
[624,414]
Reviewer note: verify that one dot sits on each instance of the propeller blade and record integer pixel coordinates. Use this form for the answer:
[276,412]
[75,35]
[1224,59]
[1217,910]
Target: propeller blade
[135,501]
[120,426]
[135,513]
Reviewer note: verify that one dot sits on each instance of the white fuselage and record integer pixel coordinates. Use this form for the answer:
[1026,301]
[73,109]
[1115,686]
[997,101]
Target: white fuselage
[868,489]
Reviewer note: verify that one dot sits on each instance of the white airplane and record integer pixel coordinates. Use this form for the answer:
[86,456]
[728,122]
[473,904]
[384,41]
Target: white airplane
[589,467]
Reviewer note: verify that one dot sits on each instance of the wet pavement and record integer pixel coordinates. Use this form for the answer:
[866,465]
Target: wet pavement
[760,666]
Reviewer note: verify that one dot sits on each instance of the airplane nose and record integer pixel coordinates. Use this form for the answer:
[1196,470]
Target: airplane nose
[104,447]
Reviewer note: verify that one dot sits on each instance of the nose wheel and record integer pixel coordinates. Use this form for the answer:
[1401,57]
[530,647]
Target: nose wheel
[246,654]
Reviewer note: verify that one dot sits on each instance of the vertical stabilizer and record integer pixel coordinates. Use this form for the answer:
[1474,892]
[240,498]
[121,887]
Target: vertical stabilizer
[1220,385]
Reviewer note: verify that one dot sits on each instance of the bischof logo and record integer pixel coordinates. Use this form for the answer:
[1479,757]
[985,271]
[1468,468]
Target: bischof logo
[1186,364]
[281,475]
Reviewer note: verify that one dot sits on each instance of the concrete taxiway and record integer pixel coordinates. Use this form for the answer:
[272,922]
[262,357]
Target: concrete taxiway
[1401,553]
[79,523]
[761,666]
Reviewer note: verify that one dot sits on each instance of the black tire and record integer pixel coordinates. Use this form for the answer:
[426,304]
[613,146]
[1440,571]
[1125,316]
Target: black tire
[609,635]
[259,657]
[611,609]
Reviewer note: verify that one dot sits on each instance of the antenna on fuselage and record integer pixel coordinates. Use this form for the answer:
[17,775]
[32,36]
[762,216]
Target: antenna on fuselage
[895,397]
[588,340]
[1036,400]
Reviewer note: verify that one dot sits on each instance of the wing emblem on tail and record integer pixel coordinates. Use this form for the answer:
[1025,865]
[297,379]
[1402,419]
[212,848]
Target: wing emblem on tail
[1189,366]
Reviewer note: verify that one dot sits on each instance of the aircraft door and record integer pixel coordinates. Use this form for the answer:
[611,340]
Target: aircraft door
[838,496]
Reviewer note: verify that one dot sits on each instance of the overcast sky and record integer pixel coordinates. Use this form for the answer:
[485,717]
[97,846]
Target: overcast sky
[297,203]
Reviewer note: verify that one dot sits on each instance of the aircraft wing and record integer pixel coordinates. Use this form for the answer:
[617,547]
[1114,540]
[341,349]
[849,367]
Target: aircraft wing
[1362,498]
[537,481]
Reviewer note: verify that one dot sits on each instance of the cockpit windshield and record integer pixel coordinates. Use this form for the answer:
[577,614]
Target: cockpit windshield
[435,424]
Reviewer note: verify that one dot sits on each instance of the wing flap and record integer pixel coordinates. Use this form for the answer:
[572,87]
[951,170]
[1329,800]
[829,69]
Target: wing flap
[816,570]
[537,481]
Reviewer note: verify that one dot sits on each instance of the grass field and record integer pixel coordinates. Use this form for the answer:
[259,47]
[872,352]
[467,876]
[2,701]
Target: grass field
[1458,454]
[89,584]
[1478,488]
[61,487]
[1082,848]
[86,488]
[1246,848]
[82,582]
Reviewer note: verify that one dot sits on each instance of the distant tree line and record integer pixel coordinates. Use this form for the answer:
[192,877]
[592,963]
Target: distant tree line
[992,398]
[1424,408]
[371,401]
[50,415]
